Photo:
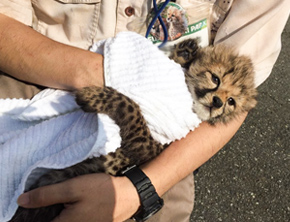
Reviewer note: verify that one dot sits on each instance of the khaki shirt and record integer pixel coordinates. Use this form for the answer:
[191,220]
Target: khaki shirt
[253,27]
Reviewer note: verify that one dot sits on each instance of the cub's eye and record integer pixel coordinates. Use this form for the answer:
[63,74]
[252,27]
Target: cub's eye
[231,101]
[215,79]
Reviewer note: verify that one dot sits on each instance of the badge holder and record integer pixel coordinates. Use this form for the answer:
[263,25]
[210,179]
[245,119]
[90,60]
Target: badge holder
[169,22]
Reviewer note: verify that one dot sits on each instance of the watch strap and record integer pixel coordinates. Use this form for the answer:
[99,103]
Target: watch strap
[151,203]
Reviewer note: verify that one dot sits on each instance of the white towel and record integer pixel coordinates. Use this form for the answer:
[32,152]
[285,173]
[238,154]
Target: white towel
[51,132]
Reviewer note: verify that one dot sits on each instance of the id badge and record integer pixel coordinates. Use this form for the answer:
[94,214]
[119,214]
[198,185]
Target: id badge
[178,27]
[175,20]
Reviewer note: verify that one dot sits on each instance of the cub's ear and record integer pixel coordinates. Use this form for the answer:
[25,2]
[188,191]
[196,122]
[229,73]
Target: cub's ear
[251,102]
[244,68]
[185,52]
[244,75]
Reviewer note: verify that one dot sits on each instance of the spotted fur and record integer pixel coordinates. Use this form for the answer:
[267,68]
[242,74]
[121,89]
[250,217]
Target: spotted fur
[220,82]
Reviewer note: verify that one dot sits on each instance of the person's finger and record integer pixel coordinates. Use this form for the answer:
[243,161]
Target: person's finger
[48,195]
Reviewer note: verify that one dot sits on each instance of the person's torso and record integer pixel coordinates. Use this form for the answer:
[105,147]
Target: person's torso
[81,22]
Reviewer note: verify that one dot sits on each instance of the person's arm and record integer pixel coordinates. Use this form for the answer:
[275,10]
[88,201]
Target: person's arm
[32,57]
[90,193]
[184,156]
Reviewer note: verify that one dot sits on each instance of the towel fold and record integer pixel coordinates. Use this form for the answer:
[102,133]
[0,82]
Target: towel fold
[51,132]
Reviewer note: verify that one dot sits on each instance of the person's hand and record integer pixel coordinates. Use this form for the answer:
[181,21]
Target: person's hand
[92,197]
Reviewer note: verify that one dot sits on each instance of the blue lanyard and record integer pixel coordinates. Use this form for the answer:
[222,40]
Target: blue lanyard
[158,16]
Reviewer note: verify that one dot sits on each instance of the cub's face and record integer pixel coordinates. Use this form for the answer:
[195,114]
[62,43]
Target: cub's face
[221,83]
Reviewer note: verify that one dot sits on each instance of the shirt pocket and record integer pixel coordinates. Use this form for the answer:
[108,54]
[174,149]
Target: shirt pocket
[72,22]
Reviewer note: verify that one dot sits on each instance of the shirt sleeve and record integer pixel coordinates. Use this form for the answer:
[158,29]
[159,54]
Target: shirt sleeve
[254,28]
[20,10]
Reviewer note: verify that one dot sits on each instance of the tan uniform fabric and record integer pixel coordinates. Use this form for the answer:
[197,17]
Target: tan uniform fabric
[13,88]
[254,28]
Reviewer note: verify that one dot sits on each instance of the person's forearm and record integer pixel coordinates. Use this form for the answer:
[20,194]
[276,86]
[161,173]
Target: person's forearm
[29,56]
[184,156]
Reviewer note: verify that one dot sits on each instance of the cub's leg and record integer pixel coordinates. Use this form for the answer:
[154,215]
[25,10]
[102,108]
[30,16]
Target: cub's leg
[185,52]
[137,147]
[124,111]
[137,144]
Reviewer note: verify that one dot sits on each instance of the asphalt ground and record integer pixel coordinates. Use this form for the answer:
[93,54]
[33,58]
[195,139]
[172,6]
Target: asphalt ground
[249,179]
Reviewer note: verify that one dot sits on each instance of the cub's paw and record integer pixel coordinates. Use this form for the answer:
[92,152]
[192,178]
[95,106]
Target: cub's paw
[185,52]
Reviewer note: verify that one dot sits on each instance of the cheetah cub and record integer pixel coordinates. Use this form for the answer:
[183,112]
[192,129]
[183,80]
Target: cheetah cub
[221,84]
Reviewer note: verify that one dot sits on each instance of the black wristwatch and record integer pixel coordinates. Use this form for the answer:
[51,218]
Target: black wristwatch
[151,203]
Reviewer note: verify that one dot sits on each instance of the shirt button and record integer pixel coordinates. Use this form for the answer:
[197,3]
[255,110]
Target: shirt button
[129,11]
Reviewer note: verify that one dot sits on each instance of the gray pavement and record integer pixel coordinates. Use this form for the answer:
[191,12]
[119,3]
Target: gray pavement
[249,179]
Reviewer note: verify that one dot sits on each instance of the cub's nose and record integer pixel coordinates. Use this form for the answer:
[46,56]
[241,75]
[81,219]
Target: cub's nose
[217,102]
